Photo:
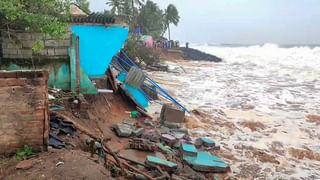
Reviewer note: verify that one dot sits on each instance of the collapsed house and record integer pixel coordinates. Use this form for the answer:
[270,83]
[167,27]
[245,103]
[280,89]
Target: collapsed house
[84,53]
[89,51]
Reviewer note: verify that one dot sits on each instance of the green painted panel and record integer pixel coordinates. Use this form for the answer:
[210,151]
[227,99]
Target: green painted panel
[59,76]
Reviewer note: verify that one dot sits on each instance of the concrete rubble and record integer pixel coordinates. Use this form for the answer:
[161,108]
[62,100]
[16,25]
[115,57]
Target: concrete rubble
[167,147]
[173,141]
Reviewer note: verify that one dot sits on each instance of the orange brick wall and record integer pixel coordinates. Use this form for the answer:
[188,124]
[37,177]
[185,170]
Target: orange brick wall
[23,110]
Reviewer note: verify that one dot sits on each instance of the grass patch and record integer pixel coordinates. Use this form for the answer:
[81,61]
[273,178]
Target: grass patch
[24,152]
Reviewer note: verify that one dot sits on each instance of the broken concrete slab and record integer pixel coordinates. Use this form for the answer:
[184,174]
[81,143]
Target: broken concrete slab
[171,114]
[129,122]
[164,149]
[178,135]
[123,130]
[205,162]
[142,144]
[204,141]
[172,125]
[151,135]
[168,139]
[188,150]
[138,132]
[154,162]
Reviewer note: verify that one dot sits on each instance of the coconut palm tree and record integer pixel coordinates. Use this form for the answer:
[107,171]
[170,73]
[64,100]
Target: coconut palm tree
[139,3]
[116,6]
[151,20]
[171,16]
[84,4]
[134,3]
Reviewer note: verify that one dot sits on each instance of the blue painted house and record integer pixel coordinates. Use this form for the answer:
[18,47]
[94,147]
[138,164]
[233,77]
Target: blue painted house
[72,62]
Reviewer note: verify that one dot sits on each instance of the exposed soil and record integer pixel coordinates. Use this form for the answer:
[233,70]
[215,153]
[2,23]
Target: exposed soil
[103,111]
[74,164]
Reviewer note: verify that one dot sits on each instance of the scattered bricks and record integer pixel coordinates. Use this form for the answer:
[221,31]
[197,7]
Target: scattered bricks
[142,144]
[151,135]
[168,139]
[61,52]
[171,114]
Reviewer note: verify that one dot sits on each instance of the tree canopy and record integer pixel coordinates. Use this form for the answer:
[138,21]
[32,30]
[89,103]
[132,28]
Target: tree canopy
[116,6]
[150,19]
[47,16]
[84,4]
[146,14]
[171,16]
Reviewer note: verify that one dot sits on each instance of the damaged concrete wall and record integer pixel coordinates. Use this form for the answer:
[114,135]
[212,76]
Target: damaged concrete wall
[23,110]
[19,46]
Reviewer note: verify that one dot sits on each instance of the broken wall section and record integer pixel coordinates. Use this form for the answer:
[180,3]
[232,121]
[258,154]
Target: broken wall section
[23,110]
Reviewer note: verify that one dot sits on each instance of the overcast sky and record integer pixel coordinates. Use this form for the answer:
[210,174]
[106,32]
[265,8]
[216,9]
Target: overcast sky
[243,21]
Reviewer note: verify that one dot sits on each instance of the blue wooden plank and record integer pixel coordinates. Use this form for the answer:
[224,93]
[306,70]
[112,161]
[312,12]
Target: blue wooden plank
[137,94]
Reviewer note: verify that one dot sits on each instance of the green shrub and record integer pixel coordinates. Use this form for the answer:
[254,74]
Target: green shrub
[24,152]
[138,52]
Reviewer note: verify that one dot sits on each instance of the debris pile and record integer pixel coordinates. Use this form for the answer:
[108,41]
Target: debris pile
[173,142]
[60,131]
[162,148]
